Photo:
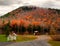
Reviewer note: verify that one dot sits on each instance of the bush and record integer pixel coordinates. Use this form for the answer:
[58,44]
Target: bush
[55,37]
[52,31]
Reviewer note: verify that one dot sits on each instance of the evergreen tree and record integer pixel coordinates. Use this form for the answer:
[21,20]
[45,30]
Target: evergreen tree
[7,28]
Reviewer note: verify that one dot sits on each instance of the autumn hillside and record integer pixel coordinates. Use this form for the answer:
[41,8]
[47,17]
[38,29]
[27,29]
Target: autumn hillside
[33,15]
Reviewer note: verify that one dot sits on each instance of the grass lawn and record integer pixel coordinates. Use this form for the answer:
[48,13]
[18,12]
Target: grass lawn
[54,43]
[3,38]
[20,38]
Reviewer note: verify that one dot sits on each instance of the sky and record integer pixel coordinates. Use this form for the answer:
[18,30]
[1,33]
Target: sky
[9,5]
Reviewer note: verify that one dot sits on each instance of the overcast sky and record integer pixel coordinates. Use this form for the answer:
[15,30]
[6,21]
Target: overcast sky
[9,5]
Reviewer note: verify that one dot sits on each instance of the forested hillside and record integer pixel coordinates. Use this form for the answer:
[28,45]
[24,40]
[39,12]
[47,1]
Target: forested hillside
[34,16]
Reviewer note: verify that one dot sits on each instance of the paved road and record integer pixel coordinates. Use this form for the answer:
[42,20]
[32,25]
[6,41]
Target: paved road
[44,37]
[41,41]
[5,43]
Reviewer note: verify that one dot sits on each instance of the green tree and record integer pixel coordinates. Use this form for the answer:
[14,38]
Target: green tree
[7,28]
[29,29]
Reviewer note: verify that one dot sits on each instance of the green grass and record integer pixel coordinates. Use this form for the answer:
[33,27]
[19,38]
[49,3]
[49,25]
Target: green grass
[20,38]
[54,43]
[3,38]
